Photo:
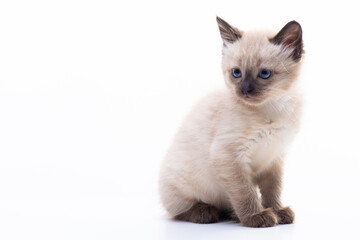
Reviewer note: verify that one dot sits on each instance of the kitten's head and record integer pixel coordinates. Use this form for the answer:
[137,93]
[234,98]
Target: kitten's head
[257,66]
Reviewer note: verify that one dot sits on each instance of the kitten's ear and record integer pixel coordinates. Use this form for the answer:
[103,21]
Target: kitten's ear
[290,37]
[228,33]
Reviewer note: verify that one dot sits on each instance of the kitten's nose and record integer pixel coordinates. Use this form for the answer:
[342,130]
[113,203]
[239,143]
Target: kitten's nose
[247,87]
[247,90]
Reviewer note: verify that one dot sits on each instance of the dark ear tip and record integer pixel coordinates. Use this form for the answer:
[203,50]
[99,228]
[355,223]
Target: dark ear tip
[294,23]
[219,20]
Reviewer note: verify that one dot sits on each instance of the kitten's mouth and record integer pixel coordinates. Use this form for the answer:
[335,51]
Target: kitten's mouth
[250,98]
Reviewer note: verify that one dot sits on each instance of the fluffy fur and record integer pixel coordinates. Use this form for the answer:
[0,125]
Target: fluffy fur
[232,145]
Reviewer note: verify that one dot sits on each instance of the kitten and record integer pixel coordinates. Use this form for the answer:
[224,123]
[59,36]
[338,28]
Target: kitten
[233,142]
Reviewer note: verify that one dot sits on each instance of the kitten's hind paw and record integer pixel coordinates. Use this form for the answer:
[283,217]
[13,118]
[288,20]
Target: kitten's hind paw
[285,215]
[200,213]
[265,218]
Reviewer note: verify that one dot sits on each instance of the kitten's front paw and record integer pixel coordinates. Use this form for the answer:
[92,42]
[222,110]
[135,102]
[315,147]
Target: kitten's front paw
[285,215]
[265,218]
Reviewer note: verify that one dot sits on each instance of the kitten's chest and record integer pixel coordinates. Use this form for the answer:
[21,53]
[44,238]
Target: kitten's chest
[268,143]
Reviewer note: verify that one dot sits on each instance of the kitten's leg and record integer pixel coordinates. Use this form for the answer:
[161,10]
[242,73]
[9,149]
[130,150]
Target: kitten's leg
[200,213]
[228,215]
[242,192]
[270,184]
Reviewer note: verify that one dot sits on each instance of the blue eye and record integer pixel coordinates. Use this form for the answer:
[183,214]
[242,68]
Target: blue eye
[236,72]
[264,73]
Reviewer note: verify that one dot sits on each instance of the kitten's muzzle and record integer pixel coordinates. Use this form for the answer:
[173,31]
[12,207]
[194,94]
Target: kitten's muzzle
[247,86]
[247,90]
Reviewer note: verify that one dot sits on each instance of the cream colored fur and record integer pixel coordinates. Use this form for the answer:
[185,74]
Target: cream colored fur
[225,142]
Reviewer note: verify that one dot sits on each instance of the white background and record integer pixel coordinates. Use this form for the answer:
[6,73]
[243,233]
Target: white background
[92,92]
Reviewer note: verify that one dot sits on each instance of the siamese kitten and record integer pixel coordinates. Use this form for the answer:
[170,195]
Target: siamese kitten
[233,142]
